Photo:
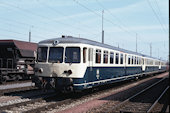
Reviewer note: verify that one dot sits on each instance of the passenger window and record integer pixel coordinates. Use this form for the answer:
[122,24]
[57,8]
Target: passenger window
[129,59]
[84,55]
[117,58]
[111,57]
[132,60]
[98,56]
[121,58]
[135,60]
[105,57]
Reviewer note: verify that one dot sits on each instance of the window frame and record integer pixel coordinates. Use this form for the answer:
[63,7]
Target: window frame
[117,58]
[72,58]
[49,54]
[121,58]
[105,57]
[98,56]
[112,54]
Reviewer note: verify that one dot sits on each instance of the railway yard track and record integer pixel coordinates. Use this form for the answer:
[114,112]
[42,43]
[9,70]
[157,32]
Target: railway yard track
[142,101]
[15,82]
[31,101]
[17,86]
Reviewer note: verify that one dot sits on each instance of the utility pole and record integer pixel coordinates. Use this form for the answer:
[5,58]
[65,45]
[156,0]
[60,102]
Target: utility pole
[102,28]
[150,49]
[136,43]
[30,33]
[30,36]
[158,53]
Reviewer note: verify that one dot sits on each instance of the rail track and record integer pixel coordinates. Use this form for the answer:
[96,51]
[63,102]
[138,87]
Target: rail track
[16,87]
[161,104]
[15,82]
[143,101]
[27,97]
[54,101]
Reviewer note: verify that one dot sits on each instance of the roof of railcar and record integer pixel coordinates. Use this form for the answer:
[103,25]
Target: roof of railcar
[70,39]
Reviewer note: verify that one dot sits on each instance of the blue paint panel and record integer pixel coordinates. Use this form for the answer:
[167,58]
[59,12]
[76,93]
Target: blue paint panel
[149,69]
[105,73]
[108,73]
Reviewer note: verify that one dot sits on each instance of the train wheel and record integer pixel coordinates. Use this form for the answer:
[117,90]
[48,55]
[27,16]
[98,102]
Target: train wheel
[3,80]
[17,78]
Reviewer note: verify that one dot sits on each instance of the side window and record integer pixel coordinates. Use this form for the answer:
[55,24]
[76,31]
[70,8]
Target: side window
[84,54]
[98,56]
[117,58]
[121,58]
[105,57]
[132,60]
[137,61]
[111,57]
[129,59]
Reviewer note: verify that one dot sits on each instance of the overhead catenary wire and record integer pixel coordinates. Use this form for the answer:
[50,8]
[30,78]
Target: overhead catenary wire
[61,13]
[99,15]
[33,13]
[7,30]
[157,17]
[47,18]
[26,27]
[159,12]
[121,24]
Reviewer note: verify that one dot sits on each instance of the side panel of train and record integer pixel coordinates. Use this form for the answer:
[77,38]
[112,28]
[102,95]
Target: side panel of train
[96,66]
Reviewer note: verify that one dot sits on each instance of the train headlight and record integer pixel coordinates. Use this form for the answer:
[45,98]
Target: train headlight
[69,72]
[40,70]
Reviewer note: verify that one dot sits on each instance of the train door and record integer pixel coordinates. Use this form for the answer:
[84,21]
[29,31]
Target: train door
[143,64]
[90,58]
[125,61]
[90,65]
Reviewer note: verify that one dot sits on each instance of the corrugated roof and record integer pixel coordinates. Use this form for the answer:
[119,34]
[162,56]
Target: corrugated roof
[26,48]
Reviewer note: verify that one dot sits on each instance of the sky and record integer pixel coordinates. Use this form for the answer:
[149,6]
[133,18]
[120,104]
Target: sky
[124,21]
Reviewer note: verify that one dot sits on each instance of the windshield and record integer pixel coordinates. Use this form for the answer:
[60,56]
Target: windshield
[72,55]
[42,54]
[56,54]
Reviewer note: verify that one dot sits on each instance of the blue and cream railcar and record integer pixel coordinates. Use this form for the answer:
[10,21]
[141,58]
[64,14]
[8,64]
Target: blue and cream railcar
[70,63]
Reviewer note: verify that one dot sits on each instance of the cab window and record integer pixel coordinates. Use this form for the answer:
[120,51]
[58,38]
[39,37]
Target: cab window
[56,54]
[42,54]
[72,55]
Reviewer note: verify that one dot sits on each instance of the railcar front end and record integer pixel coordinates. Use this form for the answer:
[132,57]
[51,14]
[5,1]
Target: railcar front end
[59,66]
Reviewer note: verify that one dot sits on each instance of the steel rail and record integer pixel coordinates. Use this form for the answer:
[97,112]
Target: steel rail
[153,105]
[136,95]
